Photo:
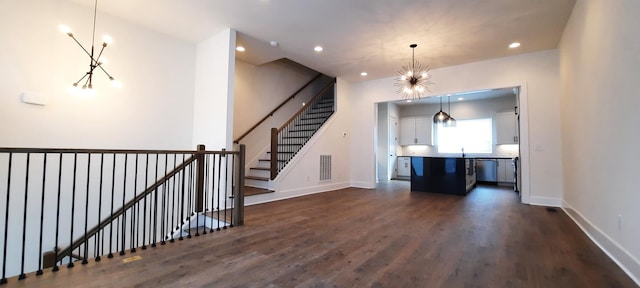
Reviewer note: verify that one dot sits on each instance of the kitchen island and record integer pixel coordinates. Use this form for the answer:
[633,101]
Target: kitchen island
[449,175]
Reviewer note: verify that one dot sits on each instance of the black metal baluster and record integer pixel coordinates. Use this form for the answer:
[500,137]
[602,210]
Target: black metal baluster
[206,192]
[163,211]
[124,199]
[6,223]
[134,210]
[86,212]
[233,183]
[44,179]
[155,207]
[173,198]
[113,192]
[213,190]
[189,196]
[226,184]
[219,184]
[55,248]
[100,235]
[144,214]
[73,205]
[24,218]
[181,222]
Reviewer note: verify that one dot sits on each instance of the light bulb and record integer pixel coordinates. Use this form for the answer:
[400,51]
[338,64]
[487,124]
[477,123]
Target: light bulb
[404,78]
[107,40]
[410,73]
[421,89]
[103,61]
[116,84]
[424,75]
[407,90]
[65,29]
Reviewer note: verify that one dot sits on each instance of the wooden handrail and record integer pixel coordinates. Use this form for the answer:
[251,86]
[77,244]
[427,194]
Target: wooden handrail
[106,222]
[276,109]
[315,98]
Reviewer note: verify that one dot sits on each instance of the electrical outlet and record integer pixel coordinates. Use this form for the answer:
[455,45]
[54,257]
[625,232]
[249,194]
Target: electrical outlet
[619,222]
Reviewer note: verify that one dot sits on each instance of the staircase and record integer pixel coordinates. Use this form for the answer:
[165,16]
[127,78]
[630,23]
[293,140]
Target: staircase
[289,140]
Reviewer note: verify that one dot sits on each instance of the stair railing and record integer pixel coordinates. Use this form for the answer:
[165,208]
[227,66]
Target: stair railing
[106,202]
[270,114]
[282,147]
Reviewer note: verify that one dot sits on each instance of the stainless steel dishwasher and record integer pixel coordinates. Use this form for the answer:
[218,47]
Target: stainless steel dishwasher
[487,170]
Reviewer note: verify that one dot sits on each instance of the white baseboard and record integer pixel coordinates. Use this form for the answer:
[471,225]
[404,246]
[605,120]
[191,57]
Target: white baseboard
[365,185]
[545,201]
[627,262]
[286,194]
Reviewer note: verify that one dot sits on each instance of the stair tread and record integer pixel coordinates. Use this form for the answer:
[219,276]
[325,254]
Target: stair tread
[260,168]
[257,178]
[250,191]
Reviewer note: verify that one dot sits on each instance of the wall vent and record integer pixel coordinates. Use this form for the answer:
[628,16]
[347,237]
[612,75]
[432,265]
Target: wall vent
[325,168]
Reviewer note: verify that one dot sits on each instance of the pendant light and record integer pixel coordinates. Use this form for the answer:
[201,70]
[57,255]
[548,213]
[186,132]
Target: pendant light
[413,80]
[440,117]
[95,59]
[450,122]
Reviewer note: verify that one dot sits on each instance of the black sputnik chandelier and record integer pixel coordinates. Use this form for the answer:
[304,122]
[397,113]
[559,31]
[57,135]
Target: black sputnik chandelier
[413,80]
[84,85]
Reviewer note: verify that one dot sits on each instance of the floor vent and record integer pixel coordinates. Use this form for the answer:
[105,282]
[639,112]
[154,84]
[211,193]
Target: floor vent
[325,167]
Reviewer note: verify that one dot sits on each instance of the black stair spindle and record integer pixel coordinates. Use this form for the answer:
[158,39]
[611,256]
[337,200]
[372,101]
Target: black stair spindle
[189,198]
[44,180]
[113,192]
[24,218]
[55,247]
[124,201]
[144,213]
[218,191]
[100,235]
[155,207]
[135,209]
[6,223]
[205,209]
[73,204]
[173,198]
[86,212]
[181,222]
[213,183]
[163,221]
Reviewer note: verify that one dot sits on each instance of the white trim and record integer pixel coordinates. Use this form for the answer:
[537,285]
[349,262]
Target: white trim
[627,262]
[545,201]
[282,195]
[361,184]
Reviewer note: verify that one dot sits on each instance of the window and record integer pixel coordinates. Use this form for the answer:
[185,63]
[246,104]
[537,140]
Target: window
[474,135]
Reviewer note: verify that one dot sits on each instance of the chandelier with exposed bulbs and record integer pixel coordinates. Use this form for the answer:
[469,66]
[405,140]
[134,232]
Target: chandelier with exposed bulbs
[413,80]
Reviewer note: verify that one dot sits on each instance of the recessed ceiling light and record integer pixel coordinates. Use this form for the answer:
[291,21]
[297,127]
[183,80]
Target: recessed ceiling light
[514,45]
[408,100]
[364,74]
[317,48]
[240,48]
[460,99]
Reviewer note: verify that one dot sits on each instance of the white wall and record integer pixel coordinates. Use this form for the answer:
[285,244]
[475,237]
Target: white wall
[536,72]
[152,110]
[600,63]
[213,98]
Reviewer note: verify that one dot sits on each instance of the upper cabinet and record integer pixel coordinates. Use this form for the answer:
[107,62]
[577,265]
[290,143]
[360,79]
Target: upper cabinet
[415,131]
[506,128]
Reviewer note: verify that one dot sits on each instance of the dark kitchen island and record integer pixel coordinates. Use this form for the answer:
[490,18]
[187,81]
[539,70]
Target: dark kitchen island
[449,175]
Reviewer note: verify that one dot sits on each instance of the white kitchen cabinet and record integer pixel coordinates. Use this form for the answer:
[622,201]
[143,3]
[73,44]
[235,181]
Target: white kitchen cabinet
[404,166]
[506,128]
[415,131]
[505,171]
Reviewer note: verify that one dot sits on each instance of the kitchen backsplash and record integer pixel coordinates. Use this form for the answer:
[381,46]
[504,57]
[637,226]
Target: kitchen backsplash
[432,151]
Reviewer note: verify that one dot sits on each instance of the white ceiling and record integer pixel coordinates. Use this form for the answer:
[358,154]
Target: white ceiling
[358,35]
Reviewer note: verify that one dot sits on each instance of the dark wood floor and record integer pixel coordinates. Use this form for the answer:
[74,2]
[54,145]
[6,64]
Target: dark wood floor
[388,237]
